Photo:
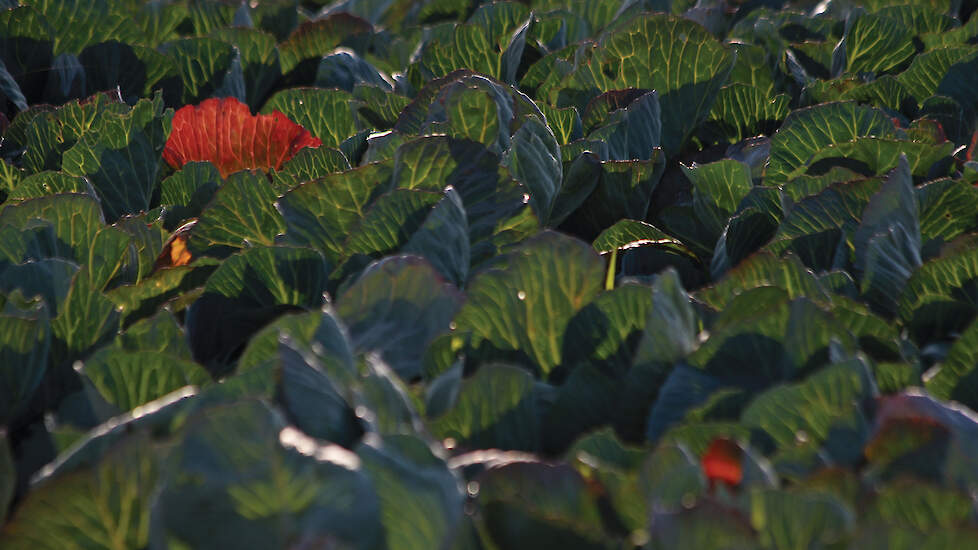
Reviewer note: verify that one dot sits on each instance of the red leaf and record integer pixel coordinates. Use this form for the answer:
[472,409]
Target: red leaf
[722,462]
[224,132]
[970,153]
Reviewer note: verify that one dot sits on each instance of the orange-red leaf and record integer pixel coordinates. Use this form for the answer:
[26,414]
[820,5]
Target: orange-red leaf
[224,132]
[722,462]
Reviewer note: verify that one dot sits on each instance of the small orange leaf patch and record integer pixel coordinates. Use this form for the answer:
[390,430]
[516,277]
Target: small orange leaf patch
[175,251]
[179,254]
[722,462]
[224,132]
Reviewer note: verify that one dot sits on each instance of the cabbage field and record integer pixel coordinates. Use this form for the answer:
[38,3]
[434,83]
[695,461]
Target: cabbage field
[463,275]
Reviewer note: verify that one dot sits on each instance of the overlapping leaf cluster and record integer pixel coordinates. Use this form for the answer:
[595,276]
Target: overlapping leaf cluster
[546,255]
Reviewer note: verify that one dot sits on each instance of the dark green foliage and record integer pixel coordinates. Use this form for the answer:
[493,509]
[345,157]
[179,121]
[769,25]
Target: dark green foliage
[402,339]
